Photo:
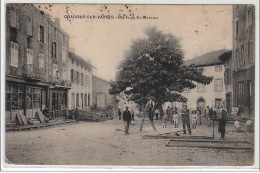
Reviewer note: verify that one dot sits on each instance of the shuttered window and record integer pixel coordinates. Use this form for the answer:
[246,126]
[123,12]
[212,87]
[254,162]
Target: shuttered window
[218,85]
[14,55]
[29,26]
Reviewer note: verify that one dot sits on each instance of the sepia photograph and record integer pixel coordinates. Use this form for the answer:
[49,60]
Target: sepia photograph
[137,85]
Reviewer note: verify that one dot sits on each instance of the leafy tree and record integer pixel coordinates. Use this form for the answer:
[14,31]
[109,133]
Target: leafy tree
[153,69]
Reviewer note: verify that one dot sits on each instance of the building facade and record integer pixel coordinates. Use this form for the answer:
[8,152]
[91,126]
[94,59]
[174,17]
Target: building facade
[212,94]
[243,58]
[101,97]
[227,59]
[30,68]
[80,94]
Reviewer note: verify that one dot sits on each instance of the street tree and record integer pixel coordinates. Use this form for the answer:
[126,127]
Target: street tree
[153,68]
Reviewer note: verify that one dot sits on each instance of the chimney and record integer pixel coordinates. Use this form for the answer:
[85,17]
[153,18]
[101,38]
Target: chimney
[72,50]
[57,21]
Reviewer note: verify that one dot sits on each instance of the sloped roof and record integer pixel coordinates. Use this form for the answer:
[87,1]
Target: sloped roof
[207,59]
[80,60]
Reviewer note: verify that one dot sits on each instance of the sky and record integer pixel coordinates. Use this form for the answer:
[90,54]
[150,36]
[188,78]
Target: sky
[200,28]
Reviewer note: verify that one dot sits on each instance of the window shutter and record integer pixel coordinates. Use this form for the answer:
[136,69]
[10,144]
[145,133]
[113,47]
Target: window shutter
[13,18]
[17,20]
[39,32]
[45,36]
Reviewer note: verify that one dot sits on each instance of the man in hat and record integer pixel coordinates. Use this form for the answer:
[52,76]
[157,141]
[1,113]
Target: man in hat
[76,114]
[127,119]
[185,119]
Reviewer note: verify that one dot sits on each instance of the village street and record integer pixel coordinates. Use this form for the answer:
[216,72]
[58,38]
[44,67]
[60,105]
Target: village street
[104,143]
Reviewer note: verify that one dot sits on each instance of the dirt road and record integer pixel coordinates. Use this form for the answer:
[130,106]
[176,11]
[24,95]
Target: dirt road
[104,143]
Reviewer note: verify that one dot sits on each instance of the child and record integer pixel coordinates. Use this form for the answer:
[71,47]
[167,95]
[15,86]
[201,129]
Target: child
[175,119]
[165,117]
[222,124]
[194,118]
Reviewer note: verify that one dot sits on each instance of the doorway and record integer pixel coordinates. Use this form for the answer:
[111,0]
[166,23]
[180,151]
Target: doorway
[201,105]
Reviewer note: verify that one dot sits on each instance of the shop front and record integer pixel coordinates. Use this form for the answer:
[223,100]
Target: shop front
[24,97]
[58,101]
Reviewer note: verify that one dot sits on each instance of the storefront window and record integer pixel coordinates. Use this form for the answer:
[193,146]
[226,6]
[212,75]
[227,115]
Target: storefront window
[15,96]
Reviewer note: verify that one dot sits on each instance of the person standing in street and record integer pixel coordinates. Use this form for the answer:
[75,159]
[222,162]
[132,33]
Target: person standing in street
[119,114]
[175,118]
[222,123]
[207,114]
[66,113]
[133,115]
[185,119]
[76,114]
[199,115]
[150,109]
[127,119]
[168,111]
[194,118]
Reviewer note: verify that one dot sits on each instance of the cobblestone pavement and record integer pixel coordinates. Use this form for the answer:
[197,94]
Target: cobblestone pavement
[104,143]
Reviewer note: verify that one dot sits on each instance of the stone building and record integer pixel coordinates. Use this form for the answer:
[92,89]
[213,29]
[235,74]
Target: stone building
[243,58]
[227,59]
[101,97]
[80,70]
[30,68]
[214,93]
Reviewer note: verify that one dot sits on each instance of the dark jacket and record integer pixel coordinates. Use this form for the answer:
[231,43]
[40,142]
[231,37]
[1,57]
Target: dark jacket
[185,115]
[119,113]
[126,115]
[222,124]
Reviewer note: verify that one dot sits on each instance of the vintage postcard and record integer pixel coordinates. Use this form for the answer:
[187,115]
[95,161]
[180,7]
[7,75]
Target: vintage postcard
[136,85]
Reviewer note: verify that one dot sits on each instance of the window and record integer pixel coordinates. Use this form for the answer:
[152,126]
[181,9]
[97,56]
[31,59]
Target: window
[218,103]
[14,55]
[42,36]
[54,50]
[13,17]
[243,59]
[71,75]
[250,57]
[236,28]
[237,59]
[249,16]
[72,100]
[86,79]
[29,56]
[88,99]
[14,97]
[77,100]
[33,98]
[77,77]
[29,27]
[239,93]
[218,85]
[41,60]
[13,35]
[218,69]
[54,32]
[82,80]
[227,75]
[200,87]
